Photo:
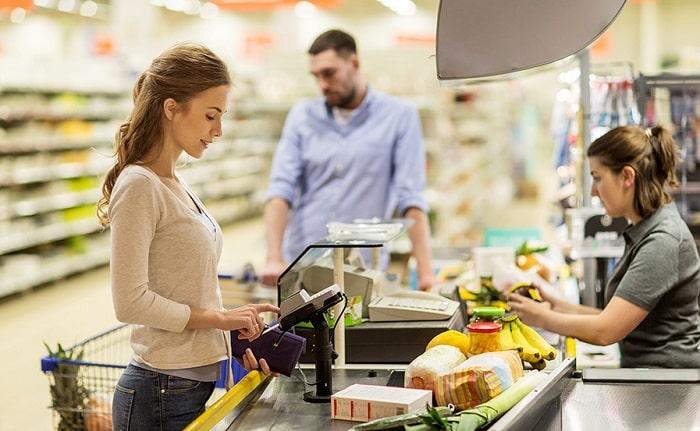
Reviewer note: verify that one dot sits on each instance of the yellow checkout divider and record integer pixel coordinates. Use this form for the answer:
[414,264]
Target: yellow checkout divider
[229,401]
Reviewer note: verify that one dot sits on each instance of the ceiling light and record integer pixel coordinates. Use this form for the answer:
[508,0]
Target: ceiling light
[209,10]
[175,5]
[193,7]
[43,3]
[89,8]
[66,5]
[17,15]
[304,9]
[401,7]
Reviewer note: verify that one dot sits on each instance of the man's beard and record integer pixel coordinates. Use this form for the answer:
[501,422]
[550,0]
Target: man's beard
[346,100]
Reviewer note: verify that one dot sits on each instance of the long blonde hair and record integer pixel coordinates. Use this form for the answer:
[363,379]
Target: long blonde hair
[180,73]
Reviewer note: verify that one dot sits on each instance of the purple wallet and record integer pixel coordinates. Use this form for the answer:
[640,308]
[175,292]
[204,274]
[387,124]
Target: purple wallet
[281,358]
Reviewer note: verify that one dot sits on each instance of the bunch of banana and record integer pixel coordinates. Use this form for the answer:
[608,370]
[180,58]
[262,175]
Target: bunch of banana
[530,345]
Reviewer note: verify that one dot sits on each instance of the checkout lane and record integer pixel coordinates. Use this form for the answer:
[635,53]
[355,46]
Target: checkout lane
[566,399]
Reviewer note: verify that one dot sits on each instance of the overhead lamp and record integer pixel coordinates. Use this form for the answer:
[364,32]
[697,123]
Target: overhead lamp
[304,9]
[209,10]
[17,15]
[43,3]
[88,8]
[401,7]
[193,7]
[66,5]
[175,5]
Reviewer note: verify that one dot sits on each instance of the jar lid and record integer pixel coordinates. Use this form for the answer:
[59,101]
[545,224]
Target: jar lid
[489,312]
[484,327]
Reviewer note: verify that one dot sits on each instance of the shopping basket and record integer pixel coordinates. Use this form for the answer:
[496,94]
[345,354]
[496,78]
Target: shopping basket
[81,390]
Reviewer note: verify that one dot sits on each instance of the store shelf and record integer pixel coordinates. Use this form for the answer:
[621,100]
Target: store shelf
[53,143]
[48,167]
[41,205]
[229,188]
[53,269]
[104,89]
[46,234]
[29,175]
[13,116]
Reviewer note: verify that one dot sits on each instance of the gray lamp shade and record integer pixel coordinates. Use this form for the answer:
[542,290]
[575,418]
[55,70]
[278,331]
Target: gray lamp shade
[484,38]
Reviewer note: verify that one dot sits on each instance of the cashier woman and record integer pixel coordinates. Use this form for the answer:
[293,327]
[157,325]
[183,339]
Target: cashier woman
[652,296]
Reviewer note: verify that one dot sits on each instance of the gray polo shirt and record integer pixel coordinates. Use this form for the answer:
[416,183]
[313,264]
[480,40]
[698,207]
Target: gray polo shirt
[660,272]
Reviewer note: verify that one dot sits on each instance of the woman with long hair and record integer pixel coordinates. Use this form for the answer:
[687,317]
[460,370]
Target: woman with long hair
[652,296]
[166,246]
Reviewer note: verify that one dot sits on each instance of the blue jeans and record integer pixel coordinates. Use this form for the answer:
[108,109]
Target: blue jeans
[146,400]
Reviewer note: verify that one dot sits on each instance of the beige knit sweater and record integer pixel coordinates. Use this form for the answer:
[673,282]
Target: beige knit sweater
[163,260]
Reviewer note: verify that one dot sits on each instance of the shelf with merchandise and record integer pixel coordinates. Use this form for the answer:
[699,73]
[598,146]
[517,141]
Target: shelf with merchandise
[44,204]
[25,270]
[17,146]
[55,145]
[24,236]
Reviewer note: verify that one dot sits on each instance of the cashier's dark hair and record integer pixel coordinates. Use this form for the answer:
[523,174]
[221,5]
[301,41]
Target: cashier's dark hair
[337,40]
[652,153]
[181,72]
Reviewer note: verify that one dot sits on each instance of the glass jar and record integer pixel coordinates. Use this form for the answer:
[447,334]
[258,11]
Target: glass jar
[487,314]
[484,337]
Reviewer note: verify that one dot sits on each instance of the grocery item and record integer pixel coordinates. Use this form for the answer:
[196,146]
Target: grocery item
[527,290]
[531,346]
[529,353]
[546,350]
[451,338]
[98,414]
[424,370]
[478,417]
[484,337]
[487,314]
[399,421]
[362,403]
[507,342]
[478,379]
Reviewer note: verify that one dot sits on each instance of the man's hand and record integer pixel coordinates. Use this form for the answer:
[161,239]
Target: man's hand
[530,312]
[271,272]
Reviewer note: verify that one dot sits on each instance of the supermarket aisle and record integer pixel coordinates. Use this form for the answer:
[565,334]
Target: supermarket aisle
[67,312]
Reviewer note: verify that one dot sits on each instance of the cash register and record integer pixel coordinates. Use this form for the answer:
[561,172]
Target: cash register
[405,321]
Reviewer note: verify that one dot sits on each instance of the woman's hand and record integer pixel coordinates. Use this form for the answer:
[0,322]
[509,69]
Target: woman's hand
[530,312]
[250,363]
[246,319]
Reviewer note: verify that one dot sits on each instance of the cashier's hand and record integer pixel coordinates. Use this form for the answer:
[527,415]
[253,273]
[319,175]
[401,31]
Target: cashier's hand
[530,312]
[246,319]
[426,281]
[271,272]
[250,363]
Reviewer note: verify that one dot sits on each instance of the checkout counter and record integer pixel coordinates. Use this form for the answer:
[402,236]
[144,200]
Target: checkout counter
[567,399]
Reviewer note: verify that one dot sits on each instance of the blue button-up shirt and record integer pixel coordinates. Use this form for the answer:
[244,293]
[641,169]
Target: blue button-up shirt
[372,167]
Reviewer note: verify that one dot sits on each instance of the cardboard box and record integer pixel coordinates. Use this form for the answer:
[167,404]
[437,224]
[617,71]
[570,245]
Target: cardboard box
[364,403]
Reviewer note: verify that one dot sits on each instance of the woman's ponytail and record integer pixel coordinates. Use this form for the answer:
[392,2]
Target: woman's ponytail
[666,152]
